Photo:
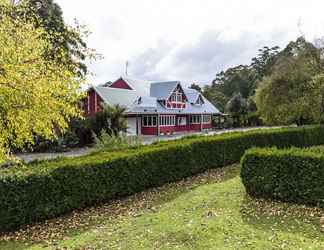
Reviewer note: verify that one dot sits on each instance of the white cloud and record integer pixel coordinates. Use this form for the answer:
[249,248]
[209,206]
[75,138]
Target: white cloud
[188,39]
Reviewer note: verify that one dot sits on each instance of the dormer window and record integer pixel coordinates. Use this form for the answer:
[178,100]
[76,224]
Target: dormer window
[176,96]
[200,100]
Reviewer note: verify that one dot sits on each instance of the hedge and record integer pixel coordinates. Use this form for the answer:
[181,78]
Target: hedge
[48,189]
[292,175]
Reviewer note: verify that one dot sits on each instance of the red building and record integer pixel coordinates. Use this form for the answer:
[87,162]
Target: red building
[154,108]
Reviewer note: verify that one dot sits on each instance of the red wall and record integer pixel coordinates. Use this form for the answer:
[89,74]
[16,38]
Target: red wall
[206,126]
[168,129]
[120,84]
[94,106]
[173,129]
[195,127]
[149,130]
[176,105]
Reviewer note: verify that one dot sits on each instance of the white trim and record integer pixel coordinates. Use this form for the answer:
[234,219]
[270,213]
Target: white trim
[167,120]
[178,84]
[121,78]
[153,124]
[180,121]
[209,119]
[197,119]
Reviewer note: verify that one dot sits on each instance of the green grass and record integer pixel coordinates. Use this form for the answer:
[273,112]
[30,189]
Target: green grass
[210,211]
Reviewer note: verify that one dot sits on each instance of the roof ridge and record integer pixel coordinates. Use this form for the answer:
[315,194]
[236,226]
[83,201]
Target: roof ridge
[165,82]
[116,89]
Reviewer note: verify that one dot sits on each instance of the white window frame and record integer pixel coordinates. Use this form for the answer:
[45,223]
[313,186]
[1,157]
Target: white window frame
[151,121]
[207,119]
[182,121]
[195,119]
[177,97]
[167,120]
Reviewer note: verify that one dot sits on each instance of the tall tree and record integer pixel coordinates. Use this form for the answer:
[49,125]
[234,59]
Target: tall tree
[38,96]
[291,93]
[48,15]
[264,61]
[216,97]
[237,107]
[239,79]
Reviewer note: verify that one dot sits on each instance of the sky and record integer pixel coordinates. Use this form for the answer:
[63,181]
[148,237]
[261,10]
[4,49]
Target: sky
[187,40]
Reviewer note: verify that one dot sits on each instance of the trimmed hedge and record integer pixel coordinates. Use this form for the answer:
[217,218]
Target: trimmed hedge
[47,189]
[292,175]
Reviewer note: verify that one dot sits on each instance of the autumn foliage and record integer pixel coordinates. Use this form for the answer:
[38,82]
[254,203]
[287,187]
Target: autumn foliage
[38,95]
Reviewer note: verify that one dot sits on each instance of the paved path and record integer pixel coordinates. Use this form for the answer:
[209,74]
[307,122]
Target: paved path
[27,157]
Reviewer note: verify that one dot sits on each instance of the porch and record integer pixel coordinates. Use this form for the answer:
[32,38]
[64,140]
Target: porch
[169,124]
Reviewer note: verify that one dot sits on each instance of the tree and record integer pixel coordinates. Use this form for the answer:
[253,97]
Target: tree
[216,97]
[196,87]
[251,105]
[264,61]
[239,79]
[49,16]
[291,94]
[111,119]
[237,107]
[38,97]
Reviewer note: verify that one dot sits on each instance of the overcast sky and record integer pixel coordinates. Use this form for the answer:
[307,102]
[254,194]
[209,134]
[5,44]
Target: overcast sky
[188,40]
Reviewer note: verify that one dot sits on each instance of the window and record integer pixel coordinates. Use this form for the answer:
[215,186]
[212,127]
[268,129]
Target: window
[182,121]
[167,120]
[173,97]
[149,121]
[177,96]
[195,119]
[207,119]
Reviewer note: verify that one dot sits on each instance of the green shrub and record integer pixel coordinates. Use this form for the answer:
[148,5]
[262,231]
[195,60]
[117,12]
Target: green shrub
[110,142]
[47,189]
[292,175]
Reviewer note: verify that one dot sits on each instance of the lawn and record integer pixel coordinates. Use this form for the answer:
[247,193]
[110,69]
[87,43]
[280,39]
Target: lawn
[208,211]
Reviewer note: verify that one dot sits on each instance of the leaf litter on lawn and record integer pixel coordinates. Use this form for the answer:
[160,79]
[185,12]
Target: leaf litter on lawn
[60,228]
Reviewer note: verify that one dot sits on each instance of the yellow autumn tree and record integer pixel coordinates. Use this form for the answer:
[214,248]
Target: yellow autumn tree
[38,97]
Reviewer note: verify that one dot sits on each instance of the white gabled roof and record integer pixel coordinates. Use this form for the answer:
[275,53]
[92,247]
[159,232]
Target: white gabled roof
[162,90]
[141,86]
[113,96]
[144,97]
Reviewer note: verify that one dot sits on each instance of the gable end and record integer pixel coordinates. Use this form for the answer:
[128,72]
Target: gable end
[120,84]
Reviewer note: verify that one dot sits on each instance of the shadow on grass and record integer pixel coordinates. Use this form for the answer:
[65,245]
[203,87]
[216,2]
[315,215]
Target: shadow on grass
[275,216]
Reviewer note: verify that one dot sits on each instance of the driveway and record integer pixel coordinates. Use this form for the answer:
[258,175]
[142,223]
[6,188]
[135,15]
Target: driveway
[28,157]
[150,139]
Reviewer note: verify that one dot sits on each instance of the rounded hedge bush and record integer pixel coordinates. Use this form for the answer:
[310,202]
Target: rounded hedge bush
[292,175]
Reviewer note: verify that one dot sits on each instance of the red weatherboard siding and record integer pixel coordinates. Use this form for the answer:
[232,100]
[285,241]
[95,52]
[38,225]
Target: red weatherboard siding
[149,130]
[120,84]
[174,129]
[195,127]
[206,126]
[176,105]
[168,129]
[94,100]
